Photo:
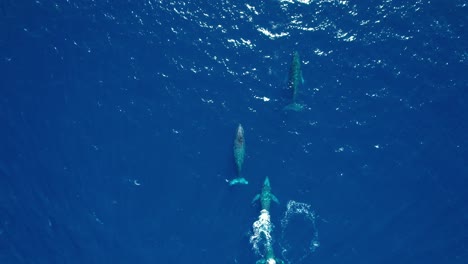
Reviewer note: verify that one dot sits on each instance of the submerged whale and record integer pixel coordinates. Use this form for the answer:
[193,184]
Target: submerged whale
[295,79]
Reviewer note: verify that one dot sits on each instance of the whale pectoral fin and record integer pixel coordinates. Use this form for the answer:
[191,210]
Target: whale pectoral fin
[274,199]
[256,198]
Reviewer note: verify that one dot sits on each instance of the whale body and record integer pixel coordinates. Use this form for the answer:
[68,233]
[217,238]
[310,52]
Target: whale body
[239,155]
[266,196]
[239,148]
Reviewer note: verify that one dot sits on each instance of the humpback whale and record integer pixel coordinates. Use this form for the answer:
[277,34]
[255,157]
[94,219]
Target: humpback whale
[295,79]
[263,226]
[239,154]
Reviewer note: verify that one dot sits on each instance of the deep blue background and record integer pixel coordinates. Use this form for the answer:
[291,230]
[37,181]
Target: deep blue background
[118,117]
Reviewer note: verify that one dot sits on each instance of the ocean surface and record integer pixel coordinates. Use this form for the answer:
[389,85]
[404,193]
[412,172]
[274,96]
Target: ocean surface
[118,118]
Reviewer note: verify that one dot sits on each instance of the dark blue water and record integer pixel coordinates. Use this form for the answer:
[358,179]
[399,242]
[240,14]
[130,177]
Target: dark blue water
[118,119]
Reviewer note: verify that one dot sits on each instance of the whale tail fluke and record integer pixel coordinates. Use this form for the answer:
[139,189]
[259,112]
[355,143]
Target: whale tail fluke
[239,180]
[294,107]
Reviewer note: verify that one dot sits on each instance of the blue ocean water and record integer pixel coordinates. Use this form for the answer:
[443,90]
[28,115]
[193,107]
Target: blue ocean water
[118,120]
